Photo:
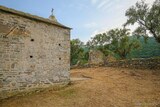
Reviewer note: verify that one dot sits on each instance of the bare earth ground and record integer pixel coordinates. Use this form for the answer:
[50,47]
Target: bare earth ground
[99,87]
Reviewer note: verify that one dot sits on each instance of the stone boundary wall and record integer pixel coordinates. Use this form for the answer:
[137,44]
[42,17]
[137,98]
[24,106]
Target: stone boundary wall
[148,63]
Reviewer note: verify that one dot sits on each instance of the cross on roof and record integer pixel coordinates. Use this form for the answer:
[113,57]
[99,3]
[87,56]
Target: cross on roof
[52,11]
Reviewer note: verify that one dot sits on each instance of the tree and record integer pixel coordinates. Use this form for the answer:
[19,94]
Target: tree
[148,19]
[76,50]
[100,42]
[121,43]
[115,41]
[78,53]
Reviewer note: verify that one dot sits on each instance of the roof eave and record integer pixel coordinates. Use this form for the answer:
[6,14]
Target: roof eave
[32,17]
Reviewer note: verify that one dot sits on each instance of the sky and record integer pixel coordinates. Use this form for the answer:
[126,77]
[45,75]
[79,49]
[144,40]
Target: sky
[86,17]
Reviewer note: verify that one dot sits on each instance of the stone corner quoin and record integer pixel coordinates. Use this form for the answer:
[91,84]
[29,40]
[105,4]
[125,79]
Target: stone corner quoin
[34,52]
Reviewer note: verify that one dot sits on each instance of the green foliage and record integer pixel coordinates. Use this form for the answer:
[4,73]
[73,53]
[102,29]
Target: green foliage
[148,19]
[100,42]
[115,41]
[121,44]
[78,53]
[147,50]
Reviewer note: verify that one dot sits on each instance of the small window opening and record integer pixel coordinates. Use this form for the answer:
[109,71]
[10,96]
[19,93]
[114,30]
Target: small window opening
[59,44]
[31,56]
[32,40]
[59,58]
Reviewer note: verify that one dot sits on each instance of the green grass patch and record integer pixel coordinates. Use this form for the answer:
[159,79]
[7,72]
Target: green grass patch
[67,93]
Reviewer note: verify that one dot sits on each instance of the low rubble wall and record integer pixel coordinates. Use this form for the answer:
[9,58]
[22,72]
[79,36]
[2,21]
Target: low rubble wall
[149,63]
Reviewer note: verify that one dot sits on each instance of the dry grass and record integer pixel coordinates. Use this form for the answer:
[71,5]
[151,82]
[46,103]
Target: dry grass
[106,87]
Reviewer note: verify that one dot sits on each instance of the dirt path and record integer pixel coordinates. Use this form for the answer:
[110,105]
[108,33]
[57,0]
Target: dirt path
[104,87]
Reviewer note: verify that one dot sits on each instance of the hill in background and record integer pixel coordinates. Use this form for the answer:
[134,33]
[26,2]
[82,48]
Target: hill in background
[147,50]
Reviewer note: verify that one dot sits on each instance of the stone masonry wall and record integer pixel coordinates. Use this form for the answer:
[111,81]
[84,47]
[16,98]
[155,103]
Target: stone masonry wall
[96,57]
[32,54]
[137,63]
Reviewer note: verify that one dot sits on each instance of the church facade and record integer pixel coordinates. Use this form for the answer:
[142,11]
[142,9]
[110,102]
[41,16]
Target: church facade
[34,52]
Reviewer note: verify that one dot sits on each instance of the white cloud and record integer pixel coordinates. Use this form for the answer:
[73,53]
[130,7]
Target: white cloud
[102,4]
[108,6]
[119,8]
[94,1]
[112,25]
[150,1]
[90,25]
[113,15]
[78,6]
[98,32]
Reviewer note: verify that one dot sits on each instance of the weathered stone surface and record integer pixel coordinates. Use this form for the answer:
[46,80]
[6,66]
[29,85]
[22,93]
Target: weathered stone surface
[110,58]
[33,54]
[96,57]
[148,63]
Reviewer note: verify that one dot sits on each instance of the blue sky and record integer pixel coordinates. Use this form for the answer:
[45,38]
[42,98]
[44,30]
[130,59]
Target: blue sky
[86,17]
